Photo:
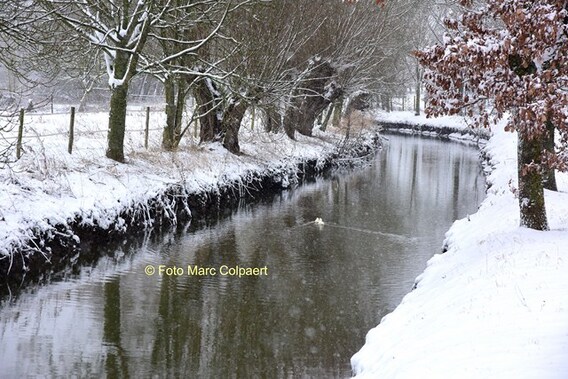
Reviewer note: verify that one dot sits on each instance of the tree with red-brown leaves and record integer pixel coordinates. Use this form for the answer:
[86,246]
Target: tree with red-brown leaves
[509,57]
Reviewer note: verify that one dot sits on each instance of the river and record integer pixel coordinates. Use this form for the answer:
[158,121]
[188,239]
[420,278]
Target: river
[317,288]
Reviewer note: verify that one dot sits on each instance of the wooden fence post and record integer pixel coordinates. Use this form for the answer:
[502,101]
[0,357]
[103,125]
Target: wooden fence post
[51,100]
[71,131]
[146,131]
[20,134]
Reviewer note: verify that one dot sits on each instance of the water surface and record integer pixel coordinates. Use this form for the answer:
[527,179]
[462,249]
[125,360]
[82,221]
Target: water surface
[326,285]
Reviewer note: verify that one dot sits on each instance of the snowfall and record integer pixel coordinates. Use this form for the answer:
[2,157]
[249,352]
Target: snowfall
[48,186]
[495,304]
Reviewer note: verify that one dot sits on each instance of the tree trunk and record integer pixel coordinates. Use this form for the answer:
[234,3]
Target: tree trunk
[327,117]
[252,116]
[273,120]
[531,192]
[418,85]
[168,136]
[207,104]
[291,118]
[180,107]
[548,174]
[117,123]
[175,101]
[348,128]
[337,112]
[320,117]
[231,124]
[121,65]
[316,93]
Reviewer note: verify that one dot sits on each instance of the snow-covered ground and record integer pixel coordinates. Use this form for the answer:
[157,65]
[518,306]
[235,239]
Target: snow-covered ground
[495,305]
[49,186]
[462,129]
[409,118]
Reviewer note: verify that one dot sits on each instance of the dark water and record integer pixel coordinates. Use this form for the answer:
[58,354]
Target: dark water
[326,285]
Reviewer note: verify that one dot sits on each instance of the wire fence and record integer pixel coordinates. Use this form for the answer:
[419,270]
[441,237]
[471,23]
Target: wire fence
[71,133]
[83,134]
[27,126]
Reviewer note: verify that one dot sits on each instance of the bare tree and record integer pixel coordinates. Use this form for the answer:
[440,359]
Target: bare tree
[179,55]
[120,31]
[308,54]
[28,52]
[189,52]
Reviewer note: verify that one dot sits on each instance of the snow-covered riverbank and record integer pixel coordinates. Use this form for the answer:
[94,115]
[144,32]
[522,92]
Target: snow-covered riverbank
[494,305]
[49,193]
[450,127]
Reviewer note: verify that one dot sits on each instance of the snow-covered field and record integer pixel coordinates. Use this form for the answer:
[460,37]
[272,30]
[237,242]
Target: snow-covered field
[49,186]
[495,305]
[465,131]
[409,118]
